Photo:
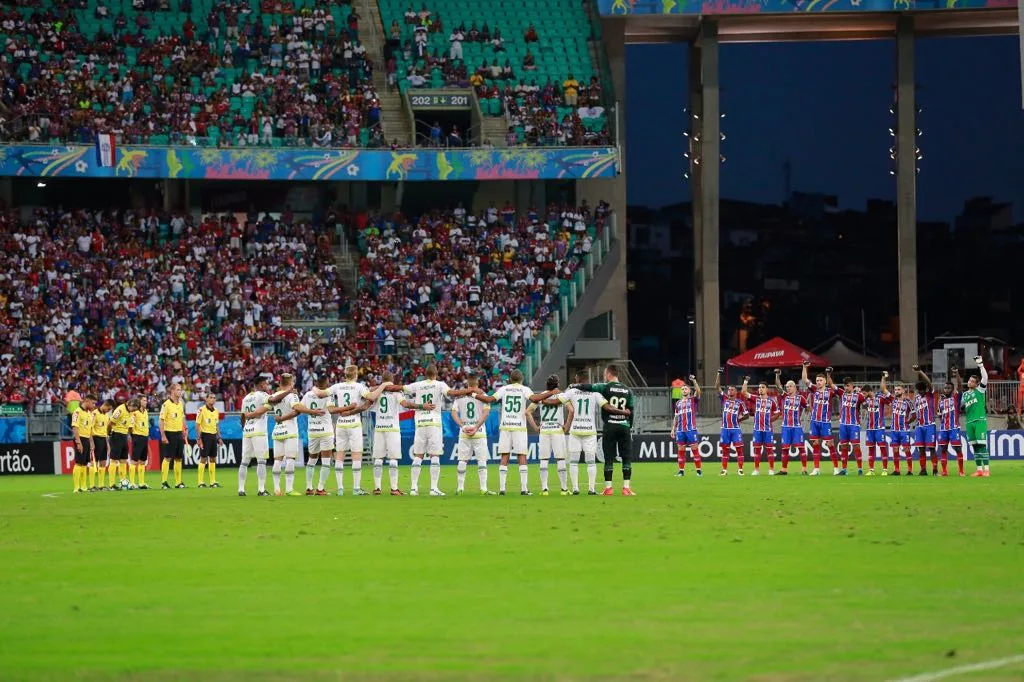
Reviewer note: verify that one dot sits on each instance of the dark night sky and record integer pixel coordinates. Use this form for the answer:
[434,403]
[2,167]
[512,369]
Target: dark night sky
[825,106]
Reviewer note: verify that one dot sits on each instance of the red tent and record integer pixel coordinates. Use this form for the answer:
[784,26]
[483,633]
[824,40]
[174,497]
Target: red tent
[777,353]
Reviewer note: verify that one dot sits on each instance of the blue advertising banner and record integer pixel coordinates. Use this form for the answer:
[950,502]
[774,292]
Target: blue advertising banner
[13,430]
[1006,444]
[717,7]
[201,163]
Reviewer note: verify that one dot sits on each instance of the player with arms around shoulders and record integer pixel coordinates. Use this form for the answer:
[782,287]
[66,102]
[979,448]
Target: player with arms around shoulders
[851,397]
[255,407]
[81,429]
[616,412]
[319,438]
[208,434]
[470,414]
[121,421]
[972,402]
[874,434]
[766,410]
[793,405]
[734,411]
[387,436]
[287,408]
[514,399]
[924,433]
[555,418]
[902,414]
[684,426]
[426,397]
[821,418]
[948,410]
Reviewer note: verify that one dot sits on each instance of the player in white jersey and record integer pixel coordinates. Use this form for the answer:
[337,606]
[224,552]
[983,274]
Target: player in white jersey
[555,418]
[426,398]
[254,436]
[470,413]
[286,433]
[387,435]
[350,398]
[514,399]
[320,438]
[583,432]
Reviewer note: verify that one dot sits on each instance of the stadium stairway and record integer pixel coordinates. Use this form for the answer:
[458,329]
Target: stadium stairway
[393,119]
[346,257]
[556,340]
[493,128]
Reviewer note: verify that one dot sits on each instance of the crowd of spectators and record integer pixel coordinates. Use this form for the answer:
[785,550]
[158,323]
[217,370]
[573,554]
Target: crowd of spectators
[235,77]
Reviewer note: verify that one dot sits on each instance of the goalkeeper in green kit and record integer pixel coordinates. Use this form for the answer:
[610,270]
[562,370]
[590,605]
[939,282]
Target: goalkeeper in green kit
[972,404]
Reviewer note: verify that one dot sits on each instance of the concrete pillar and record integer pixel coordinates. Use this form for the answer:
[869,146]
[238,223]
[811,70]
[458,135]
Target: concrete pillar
[705,146]
[906,193]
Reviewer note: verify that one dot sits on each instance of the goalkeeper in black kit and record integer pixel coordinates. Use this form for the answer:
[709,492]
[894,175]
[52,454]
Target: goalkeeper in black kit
[618,420]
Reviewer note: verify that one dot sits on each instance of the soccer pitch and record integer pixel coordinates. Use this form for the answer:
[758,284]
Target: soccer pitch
[695,579]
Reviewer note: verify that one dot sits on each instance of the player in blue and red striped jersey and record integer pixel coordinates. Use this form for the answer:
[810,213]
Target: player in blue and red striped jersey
[793,404]
[874,434]
[924,434]
[734,411]
[850,400]
[684,426]
[899,428]
[948,410]
[765,409]
[821,417]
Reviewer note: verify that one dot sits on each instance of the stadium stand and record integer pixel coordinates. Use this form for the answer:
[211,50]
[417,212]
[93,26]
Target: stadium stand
[230,72]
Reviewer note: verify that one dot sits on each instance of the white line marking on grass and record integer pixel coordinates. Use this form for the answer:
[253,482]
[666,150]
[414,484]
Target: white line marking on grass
[961,669]
[52,496]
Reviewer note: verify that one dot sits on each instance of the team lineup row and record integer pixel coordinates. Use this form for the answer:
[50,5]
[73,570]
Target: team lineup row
[896,438]
[566,421]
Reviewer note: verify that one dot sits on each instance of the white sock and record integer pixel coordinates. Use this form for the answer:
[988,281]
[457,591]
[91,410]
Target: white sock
[289,475]
[502,475]
[591,475]
[325,471]
[524,477]
[625,484]
[481,471]
[435,472]
[560,467]
[574,474]
[460,470]
[277,476]
[417,464]
[378,473]
[310,472]
[393,473]
[243,472]
[357,474]
[544,474]
[339,473]
[261,475]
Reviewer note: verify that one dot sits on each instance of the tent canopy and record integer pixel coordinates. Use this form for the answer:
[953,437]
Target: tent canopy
[777,352]
[839,354]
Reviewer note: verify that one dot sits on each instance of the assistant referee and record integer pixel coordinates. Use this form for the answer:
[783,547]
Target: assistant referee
[618,420]
[173,436]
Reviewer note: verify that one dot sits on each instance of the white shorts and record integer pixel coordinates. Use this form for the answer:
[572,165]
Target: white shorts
[321,443]
[428,441]
[585,444]
[349,440]
[254,446]
[552,445]
[287,447]
[513,442]
[472,448]
[387,445]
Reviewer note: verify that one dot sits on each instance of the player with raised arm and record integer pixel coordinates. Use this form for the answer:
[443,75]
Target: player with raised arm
[734,411]
[514,398]
[255,407]
[948,410]
[207,439]
[899,434]
[618,421]
[793,405]
[684,426]
[851,397]
[874,434]
[821,418]
[975,420]
[287,408]
[387,436]
[319,437]
[924,433]
[555,418]
[765,409]
[426,397]
[470,414]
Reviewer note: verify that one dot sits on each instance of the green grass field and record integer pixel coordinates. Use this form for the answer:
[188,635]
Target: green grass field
[695,579]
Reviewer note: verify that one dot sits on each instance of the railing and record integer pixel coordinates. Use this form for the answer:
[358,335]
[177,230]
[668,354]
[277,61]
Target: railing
[549,332]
